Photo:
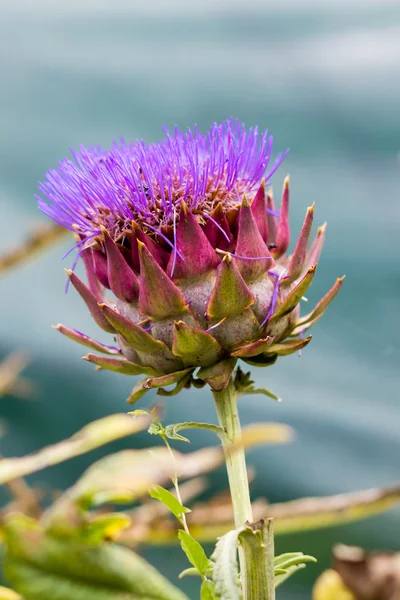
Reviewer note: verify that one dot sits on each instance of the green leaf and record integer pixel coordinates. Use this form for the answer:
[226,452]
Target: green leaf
[281,577]
[43,567]
[287,564]
[194,553]
[207,591]
[245,386]
[155,429]
[225,573]
[96,434]
[190,572]
[290,559]
[171,431]
[252,391]
[278,560]
[169,500]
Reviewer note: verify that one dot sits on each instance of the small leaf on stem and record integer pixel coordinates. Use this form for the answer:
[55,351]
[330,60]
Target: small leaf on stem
[194,553]
[168,499]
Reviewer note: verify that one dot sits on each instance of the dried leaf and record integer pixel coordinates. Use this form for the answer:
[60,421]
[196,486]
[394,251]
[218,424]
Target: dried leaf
[35,242]
[127,475]
[10,380]
[317,513]
[210,521]
[96,434]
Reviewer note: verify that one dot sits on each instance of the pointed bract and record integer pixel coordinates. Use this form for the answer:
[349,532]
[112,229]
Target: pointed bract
[170,379]
[90,301]
[283,232]
[137,392]
[258,208]
[262,360]
[320,307]
[183,382]
[85,340]
[100,268]
[253,349]
[123,281]
[217,376]
[217,229]
[159,297]
[95,285]
[230,294]
[194,346]
[288,347]
[118,365]
[134,335]
[295,295]
[198,256]
[298,258]
[314,252]
[272,221]
[159,254]
[251,245]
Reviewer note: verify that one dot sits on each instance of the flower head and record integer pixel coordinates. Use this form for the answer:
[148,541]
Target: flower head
[194,251]
[147,183]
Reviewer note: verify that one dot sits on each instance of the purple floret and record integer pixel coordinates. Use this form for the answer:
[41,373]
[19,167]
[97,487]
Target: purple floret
[147,182]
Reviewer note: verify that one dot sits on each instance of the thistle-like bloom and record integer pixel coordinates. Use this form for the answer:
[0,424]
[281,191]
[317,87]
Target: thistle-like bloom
[184,235]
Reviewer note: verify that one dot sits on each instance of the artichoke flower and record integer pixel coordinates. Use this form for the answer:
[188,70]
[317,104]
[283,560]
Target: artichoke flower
[186,237]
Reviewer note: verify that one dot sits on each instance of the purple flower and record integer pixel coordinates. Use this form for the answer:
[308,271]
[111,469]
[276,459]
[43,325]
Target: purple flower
[194,251]
[147,182]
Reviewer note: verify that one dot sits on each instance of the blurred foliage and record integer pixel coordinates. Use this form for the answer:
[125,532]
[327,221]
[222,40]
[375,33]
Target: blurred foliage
[77,546]
[11,382]
[48,547]
[360,575]
[35,242]
[43,566]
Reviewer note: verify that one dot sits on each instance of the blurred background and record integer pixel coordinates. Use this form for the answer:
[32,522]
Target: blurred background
[325,78]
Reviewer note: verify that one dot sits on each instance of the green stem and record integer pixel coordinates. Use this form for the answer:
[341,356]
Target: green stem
[258,546]
[228,417]
[253,571]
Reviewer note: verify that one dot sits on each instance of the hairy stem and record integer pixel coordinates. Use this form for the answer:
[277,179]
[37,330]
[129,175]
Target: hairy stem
[251,568]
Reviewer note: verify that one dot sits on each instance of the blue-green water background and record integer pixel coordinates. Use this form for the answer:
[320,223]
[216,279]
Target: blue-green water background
[325,79]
